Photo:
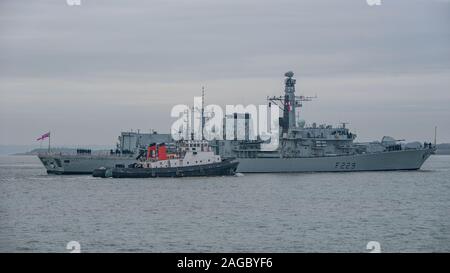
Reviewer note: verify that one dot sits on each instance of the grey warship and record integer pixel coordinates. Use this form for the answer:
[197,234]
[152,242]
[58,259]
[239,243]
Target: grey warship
[319,148]
[302,148]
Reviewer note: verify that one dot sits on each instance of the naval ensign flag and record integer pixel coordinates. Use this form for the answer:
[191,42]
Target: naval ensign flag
[44,136]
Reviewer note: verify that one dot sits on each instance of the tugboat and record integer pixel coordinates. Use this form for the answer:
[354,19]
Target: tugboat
[193,158]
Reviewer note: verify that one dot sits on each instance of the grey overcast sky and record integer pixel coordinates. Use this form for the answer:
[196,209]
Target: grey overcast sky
[87,72]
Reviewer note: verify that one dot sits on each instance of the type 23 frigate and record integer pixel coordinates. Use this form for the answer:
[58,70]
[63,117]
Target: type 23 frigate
[320,148]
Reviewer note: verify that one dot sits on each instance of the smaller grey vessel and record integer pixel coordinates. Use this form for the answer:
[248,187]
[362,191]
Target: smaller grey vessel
[85,161]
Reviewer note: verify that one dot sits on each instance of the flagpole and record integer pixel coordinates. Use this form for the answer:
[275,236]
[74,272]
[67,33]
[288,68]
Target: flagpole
[435,131]
[49,142]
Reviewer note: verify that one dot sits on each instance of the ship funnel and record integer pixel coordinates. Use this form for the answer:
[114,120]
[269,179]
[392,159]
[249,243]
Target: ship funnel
[162,151]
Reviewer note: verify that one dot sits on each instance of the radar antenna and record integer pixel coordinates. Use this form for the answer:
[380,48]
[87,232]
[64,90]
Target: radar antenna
[289,102]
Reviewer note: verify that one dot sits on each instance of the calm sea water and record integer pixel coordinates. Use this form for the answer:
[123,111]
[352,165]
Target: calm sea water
[405,211]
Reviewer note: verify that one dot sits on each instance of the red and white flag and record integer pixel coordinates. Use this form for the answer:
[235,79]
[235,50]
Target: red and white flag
[44,136]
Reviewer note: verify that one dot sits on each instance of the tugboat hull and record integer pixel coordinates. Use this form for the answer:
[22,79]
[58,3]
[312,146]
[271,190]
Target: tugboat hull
[225,167]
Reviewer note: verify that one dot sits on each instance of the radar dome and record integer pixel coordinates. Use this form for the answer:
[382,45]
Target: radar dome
[289,74]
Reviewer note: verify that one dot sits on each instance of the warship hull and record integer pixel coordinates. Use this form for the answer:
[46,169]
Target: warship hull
[383,161]
[77,164]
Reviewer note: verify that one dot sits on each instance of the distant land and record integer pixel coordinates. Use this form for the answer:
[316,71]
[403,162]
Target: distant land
[442,149]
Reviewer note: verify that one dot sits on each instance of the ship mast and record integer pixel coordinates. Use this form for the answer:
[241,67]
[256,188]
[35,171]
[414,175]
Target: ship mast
[288,103]
[192,119]
[203,111]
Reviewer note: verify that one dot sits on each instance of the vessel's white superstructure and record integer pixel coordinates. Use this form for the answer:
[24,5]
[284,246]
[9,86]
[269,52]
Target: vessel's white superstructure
[192,153]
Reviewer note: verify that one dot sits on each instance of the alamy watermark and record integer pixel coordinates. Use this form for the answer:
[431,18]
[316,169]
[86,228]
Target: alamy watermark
[74,247]
[237,122]
[73,2]
[373,2]
[374,247]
